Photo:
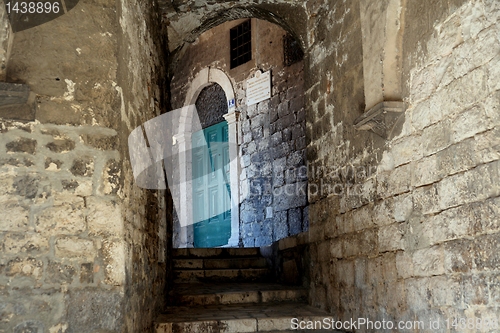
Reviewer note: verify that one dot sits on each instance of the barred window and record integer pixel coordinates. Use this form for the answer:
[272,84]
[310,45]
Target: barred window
[241,44]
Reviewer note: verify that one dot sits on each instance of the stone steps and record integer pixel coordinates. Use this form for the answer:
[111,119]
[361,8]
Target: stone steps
[224,263]
[216,253]
[231,290]
[222,275]
[237,318]
[235,293]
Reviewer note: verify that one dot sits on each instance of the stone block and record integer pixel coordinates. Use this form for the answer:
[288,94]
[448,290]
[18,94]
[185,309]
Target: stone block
[296,104]
[87,273]
[280,225]
[74,248]
[298,131]
[29,243]
[451,224]
[402,207]
[15,217]
[111,177]
[287,134]
[418,295]
[285,122]
[295,221]
[335,250]
[423,83]
[398,181]
[436,137]
[469,123]
[475,290]
[29,267]
[426,113]
[426,171]
[362,218]
[459,256]
[61,145]
[22,145]
[113,256]
[407,149]
[390,238]
[58,273]
[486,258]
[428,261]
[383,212]
[90,310]
[404,264]
[83,167]
[462,93]
[100,141]
[66,217]
[52,164]
[283,109]
[485,215]
[445,291]
[476,184]
[104,217]
[426,199]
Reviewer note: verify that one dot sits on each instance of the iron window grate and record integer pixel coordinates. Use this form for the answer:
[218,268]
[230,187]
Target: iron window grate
[241,44]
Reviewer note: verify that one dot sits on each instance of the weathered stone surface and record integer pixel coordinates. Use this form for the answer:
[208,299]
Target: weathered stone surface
[57,273]
[61,145]
[66,217]
[30,243]
[83,167]
[104,217]
[22,145]
[100,141]
[82,315]
[75,248]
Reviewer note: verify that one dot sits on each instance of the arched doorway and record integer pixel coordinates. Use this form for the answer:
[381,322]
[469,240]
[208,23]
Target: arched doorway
[211,185]
[267,142]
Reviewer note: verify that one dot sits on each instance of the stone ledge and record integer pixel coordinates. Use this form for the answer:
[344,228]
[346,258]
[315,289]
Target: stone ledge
[381,119]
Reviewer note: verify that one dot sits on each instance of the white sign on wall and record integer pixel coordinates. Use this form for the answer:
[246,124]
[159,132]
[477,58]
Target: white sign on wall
[259,87]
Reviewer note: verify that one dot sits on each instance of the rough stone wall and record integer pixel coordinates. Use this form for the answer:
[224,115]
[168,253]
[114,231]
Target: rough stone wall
[5,40]
[82,246]
[412,232]
[273,161]
[143,88]
[272,133]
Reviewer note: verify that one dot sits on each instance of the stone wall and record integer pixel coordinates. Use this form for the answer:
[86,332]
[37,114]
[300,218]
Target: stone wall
[6,37]
[411,231]
[271,133]
[83,249]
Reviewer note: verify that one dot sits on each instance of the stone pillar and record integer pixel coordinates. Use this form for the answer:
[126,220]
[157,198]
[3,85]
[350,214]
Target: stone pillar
[232,120]
[183,199]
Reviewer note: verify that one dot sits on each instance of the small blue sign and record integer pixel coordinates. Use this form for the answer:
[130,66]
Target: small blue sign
[230,103]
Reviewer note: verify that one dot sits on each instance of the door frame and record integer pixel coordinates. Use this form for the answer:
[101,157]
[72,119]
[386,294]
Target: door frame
[204,78]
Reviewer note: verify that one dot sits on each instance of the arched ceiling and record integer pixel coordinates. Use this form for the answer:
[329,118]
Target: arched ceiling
[187,19]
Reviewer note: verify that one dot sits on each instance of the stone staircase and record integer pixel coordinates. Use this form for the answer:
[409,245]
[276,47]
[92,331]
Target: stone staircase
[231,290]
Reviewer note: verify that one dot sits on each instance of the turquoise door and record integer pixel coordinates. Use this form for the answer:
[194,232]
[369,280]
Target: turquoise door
[211,190]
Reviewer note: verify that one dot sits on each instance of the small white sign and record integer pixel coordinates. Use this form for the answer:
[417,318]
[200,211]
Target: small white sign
[259,88]
[231,103]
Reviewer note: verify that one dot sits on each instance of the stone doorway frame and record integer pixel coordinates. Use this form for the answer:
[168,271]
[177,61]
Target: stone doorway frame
[204,78]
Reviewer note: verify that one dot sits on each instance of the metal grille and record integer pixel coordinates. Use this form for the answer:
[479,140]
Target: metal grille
[241,44]
[292,51]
